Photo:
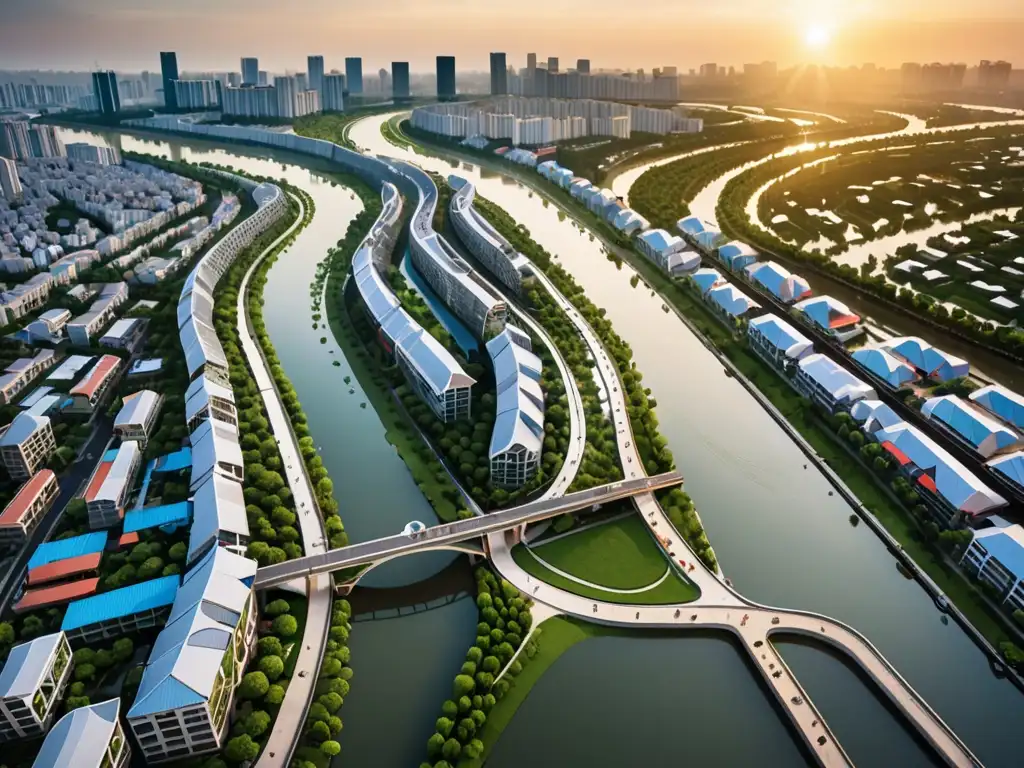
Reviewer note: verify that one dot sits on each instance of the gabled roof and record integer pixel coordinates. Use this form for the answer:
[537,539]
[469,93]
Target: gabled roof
[23,426]
[107,366]
[781,335]
[137,408]
[218,505]
[1006,545]
[1004,403]
[731,300]
[873,414]
[923,356]
[26,666]
[972,424]
[661,241]
[827,313]
[520,407]
[692,225]
[187,654]
[213,443]
[1010,466]
[81,737]
[707,278]
[837,381]
[122,602]
[734,250]
[25,497]
[778,280]
[885,366]
[63,549]
[199,392]
[954,482]
[118,474]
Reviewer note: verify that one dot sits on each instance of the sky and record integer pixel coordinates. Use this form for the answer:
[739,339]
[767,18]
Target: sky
[211,35]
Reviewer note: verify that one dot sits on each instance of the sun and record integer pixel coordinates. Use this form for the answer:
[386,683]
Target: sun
[817,36]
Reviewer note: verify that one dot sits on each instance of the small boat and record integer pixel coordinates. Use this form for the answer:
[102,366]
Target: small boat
[942,602]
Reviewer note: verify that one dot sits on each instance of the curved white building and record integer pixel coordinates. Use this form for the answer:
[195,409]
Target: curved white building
[447,273]
[482,240]
[518,436]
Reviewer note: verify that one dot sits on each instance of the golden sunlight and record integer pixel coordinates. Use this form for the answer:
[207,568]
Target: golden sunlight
[817,36]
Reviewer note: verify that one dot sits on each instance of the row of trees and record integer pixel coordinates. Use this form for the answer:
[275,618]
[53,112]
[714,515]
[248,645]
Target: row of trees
[504,623]
[323,723]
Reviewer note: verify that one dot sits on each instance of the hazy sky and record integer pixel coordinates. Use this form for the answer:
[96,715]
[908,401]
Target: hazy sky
[213,34]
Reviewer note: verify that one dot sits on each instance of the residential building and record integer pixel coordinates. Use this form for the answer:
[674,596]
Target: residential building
[873,415]
[20,140]
[829,384]
[552,64]
[168,74]
[88,394]
[250,101]
[26,297]
[333,93]
[82,328]
[517,438]
[583,66]
[499,74]
[706,279]
[952,493]
[483,241]
[86,737]
[30,503]
[215,450]
[778,281]
[354,75]
[90,153]
[1001,403]
[828,314]
[885,366]
[730,302]
[703,236]
[737,255]
[100,618]
[400,79]
[669,252]
[315,72]
[206,398]
[970,425]
[996,557]
[250,71]
[10,185]
[927,360]
[107,492]
[446,77]
[777,341]
[104,86]
[32,685]
[26,445]
[138,416]
[185,697]
[218,518]
[197,94]
[125,334]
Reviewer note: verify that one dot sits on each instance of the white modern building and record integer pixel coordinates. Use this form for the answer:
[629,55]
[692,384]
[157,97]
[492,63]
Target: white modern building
[778,281]
[518,436]
[928,360]
[668,251]
[1002,403]
[10,184]
[218,518]
[20,517]
[970,425]
[996,557]
[32,684]
[829,384]
[103,310]
[890,369]
[138,416]
[26,444]
[777,341]
[86,737]
[91,391]
[107,492]
[730,302]
[184,700]
[207,398]
[215,450]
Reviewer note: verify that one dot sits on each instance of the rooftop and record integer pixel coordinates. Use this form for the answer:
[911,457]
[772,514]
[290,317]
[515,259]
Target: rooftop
[120,329]
[61,569]
[975,426]
[56,595]
[1004,403]
[52,551]
[218,505]
[24,498]
[88,386]
[147,595]
[23,426]
[782,335]
[138,408]
[885,366]
[828,313]
[154,517]
[26,666]
[80,738]
[1006,545]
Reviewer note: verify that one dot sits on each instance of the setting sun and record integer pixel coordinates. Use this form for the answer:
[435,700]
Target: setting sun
[817,36]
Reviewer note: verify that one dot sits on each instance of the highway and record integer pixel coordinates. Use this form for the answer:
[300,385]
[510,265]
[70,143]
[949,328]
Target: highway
[447,534]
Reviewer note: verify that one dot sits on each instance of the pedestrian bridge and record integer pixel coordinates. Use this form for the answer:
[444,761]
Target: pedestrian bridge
[450,535]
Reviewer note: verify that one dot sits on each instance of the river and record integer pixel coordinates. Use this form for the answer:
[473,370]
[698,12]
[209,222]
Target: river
[778,533]
[375,492]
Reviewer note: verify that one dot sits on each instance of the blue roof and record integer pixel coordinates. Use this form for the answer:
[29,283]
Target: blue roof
[885,366]
[1007,405]
[1010,466]
[923,356]
[154,517]
[155,593]
[1007,550]
[706,279]
[175,462]
[110,455]
[972,424]
[52,551]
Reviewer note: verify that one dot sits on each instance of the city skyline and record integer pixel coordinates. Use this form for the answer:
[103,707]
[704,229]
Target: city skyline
[60,34]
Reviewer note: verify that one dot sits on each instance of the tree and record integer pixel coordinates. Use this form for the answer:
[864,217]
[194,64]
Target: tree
[253,685]
[85,672]
[434,745]
[256,723]
[285,625]
[275,695]
[269,646]
[462,685]
[6,633]
[241,748]
[451,750]
[276,608]
[330,748]
[177,552]
[104,659]
[331,701]
[150,568]
[272,667]
[122,649]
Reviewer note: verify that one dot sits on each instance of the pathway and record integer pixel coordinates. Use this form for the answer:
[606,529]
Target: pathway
[601,587]
[292,716]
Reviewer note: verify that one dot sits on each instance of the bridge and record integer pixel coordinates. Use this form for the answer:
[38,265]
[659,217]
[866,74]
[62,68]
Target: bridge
[450,535]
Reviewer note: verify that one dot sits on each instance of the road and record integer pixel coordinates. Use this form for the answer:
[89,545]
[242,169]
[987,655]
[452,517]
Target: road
[70,481]
[292,715]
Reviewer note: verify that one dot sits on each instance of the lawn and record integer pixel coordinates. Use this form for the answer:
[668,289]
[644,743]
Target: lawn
[618,554]
[557,635]
[299,608]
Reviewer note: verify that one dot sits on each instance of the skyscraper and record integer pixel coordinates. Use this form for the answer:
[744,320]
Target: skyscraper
[286,88]
[531,62]
[315,72]
[583,66]
[552,63]
[234,79]
[104,85]
[333,96]
[250,71]
[354,75]
[499,74]
[446,77]
[400,79]
[169,73]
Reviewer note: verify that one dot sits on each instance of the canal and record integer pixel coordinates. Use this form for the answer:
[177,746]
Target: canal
[375,492]
[779,534]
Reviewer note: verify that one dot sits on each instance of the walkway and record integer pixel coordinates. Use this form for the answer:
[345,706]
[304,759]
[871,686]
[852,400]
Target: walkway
[292,717]
[451,535]
[600,587]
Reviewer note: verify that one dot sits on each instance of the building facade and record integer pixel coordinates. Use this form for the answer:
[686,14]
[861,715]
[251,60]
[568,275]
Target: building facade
[446,77]
[333,94]
[400,79]
[20,517]
[104,86]
[26,445]
[518,436]
[169,74]
[354,75]
[250,71]
[499,74]
[32,684]
[315,72]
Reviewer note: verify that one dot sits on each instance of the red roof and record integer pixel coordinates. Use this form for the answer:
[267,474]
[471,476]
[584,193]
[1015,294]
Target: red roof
[97,480]
[60,569]
[901,457]
[100,373]
[841,321]
[59,593]
[128,539]
[25,497]
[927,482]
